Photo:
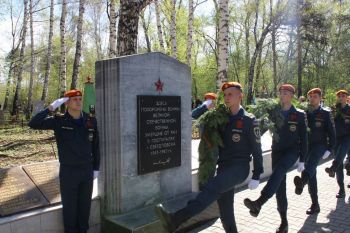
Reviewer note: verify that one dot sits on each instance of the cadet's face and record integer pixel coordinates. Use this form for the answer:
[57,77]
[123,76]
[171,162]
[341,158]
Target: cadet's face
[75,103]
[232,97]
[314,99]
[286,96]
[342,98]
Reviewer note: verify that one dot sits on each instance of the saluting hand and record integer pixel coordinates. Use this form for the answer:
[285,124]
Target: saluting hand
[55,104]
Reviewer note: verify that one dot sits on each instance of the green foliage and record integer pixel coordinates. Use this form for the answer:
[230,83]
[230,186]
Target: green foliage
[212,122]
[268,112]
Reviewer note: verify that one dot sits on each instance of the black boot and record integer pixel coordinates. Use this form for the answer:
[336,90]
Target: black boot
[341,193]
[253,206]
[315,208]
[347,168]
[167,219]
[283,228]
[331,170]
[300,182]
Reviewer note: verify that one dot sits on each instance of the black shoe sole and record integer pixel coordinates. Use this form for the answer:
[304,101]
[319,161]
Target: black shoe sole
[312,211]
[298,185]
[253,210]
[330,172]
[283,230]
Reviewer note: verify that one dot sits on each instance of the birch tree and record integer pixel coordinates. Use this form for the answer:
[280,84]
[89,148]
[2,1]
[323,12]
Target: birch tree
[189,31]
[76,64]
[32,62]
[173,29]
[12,54]
[145,26]
[49,54]
[223,43]
[129,14]
[63,59]
[16,100]
[159,27]
[112,29]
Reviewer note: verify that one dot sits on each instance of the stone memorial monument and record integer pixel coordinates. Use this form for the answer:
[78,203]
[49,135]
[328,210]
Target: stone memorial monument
[143,109]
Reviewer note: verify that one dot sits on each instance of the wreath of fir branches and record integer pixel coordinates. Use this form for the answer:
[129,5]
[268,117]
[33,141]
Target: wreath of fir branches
[268,113]
[212,123]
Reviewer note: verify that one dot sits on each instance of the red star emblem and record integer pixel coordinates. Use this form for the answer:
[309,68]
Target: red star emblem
[159,85]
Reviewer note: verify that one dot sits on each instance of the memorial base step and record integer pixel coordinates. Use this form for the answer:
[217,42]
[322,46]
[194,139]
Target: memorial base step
[145,220]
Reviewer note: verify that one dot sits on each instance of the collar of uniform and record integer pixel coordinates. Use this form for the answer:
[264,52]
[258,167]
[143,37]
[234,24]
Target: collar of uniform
[317,109]
[239,114]
[69,117]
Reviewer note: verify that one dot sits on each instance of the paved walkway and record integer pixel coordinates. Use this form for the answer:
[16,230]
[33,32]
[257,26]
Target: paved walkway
[334,215]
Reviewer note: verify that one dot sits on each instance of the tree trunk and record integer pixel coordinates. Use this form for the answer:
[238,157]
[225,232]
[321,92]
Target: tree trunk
[173,29]
[247,47]
[32,63]
[16,100]
[128,25]
[189,32]
[274,54]
[299,89]
[112,30]
[223,43]
[159,27]
[8,85]
[49,54]
[258,49]
[145,27]
[96,17]
[76,64]
[63,61]
[299,59]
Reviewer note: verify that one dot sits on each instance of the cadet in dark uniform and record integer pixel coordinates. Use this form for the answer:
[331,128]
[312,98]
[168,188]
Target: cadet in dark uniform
[241,137]
[342,127]
[78,150]
[347,163]
[291,145]
[321,143]
[209,103]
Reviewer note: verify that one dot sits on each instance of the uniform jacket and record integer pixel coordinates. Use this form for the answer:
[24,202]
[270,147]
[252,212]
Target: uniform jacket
[342,122]
[293,133]
[322,130]
[197,112]
[77,141]
[241,138]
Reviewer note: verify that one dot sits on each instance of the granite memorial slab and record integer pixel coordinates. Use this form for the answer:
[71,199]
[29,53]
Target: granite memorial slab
[159,132]
[45,177]
[17,192]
